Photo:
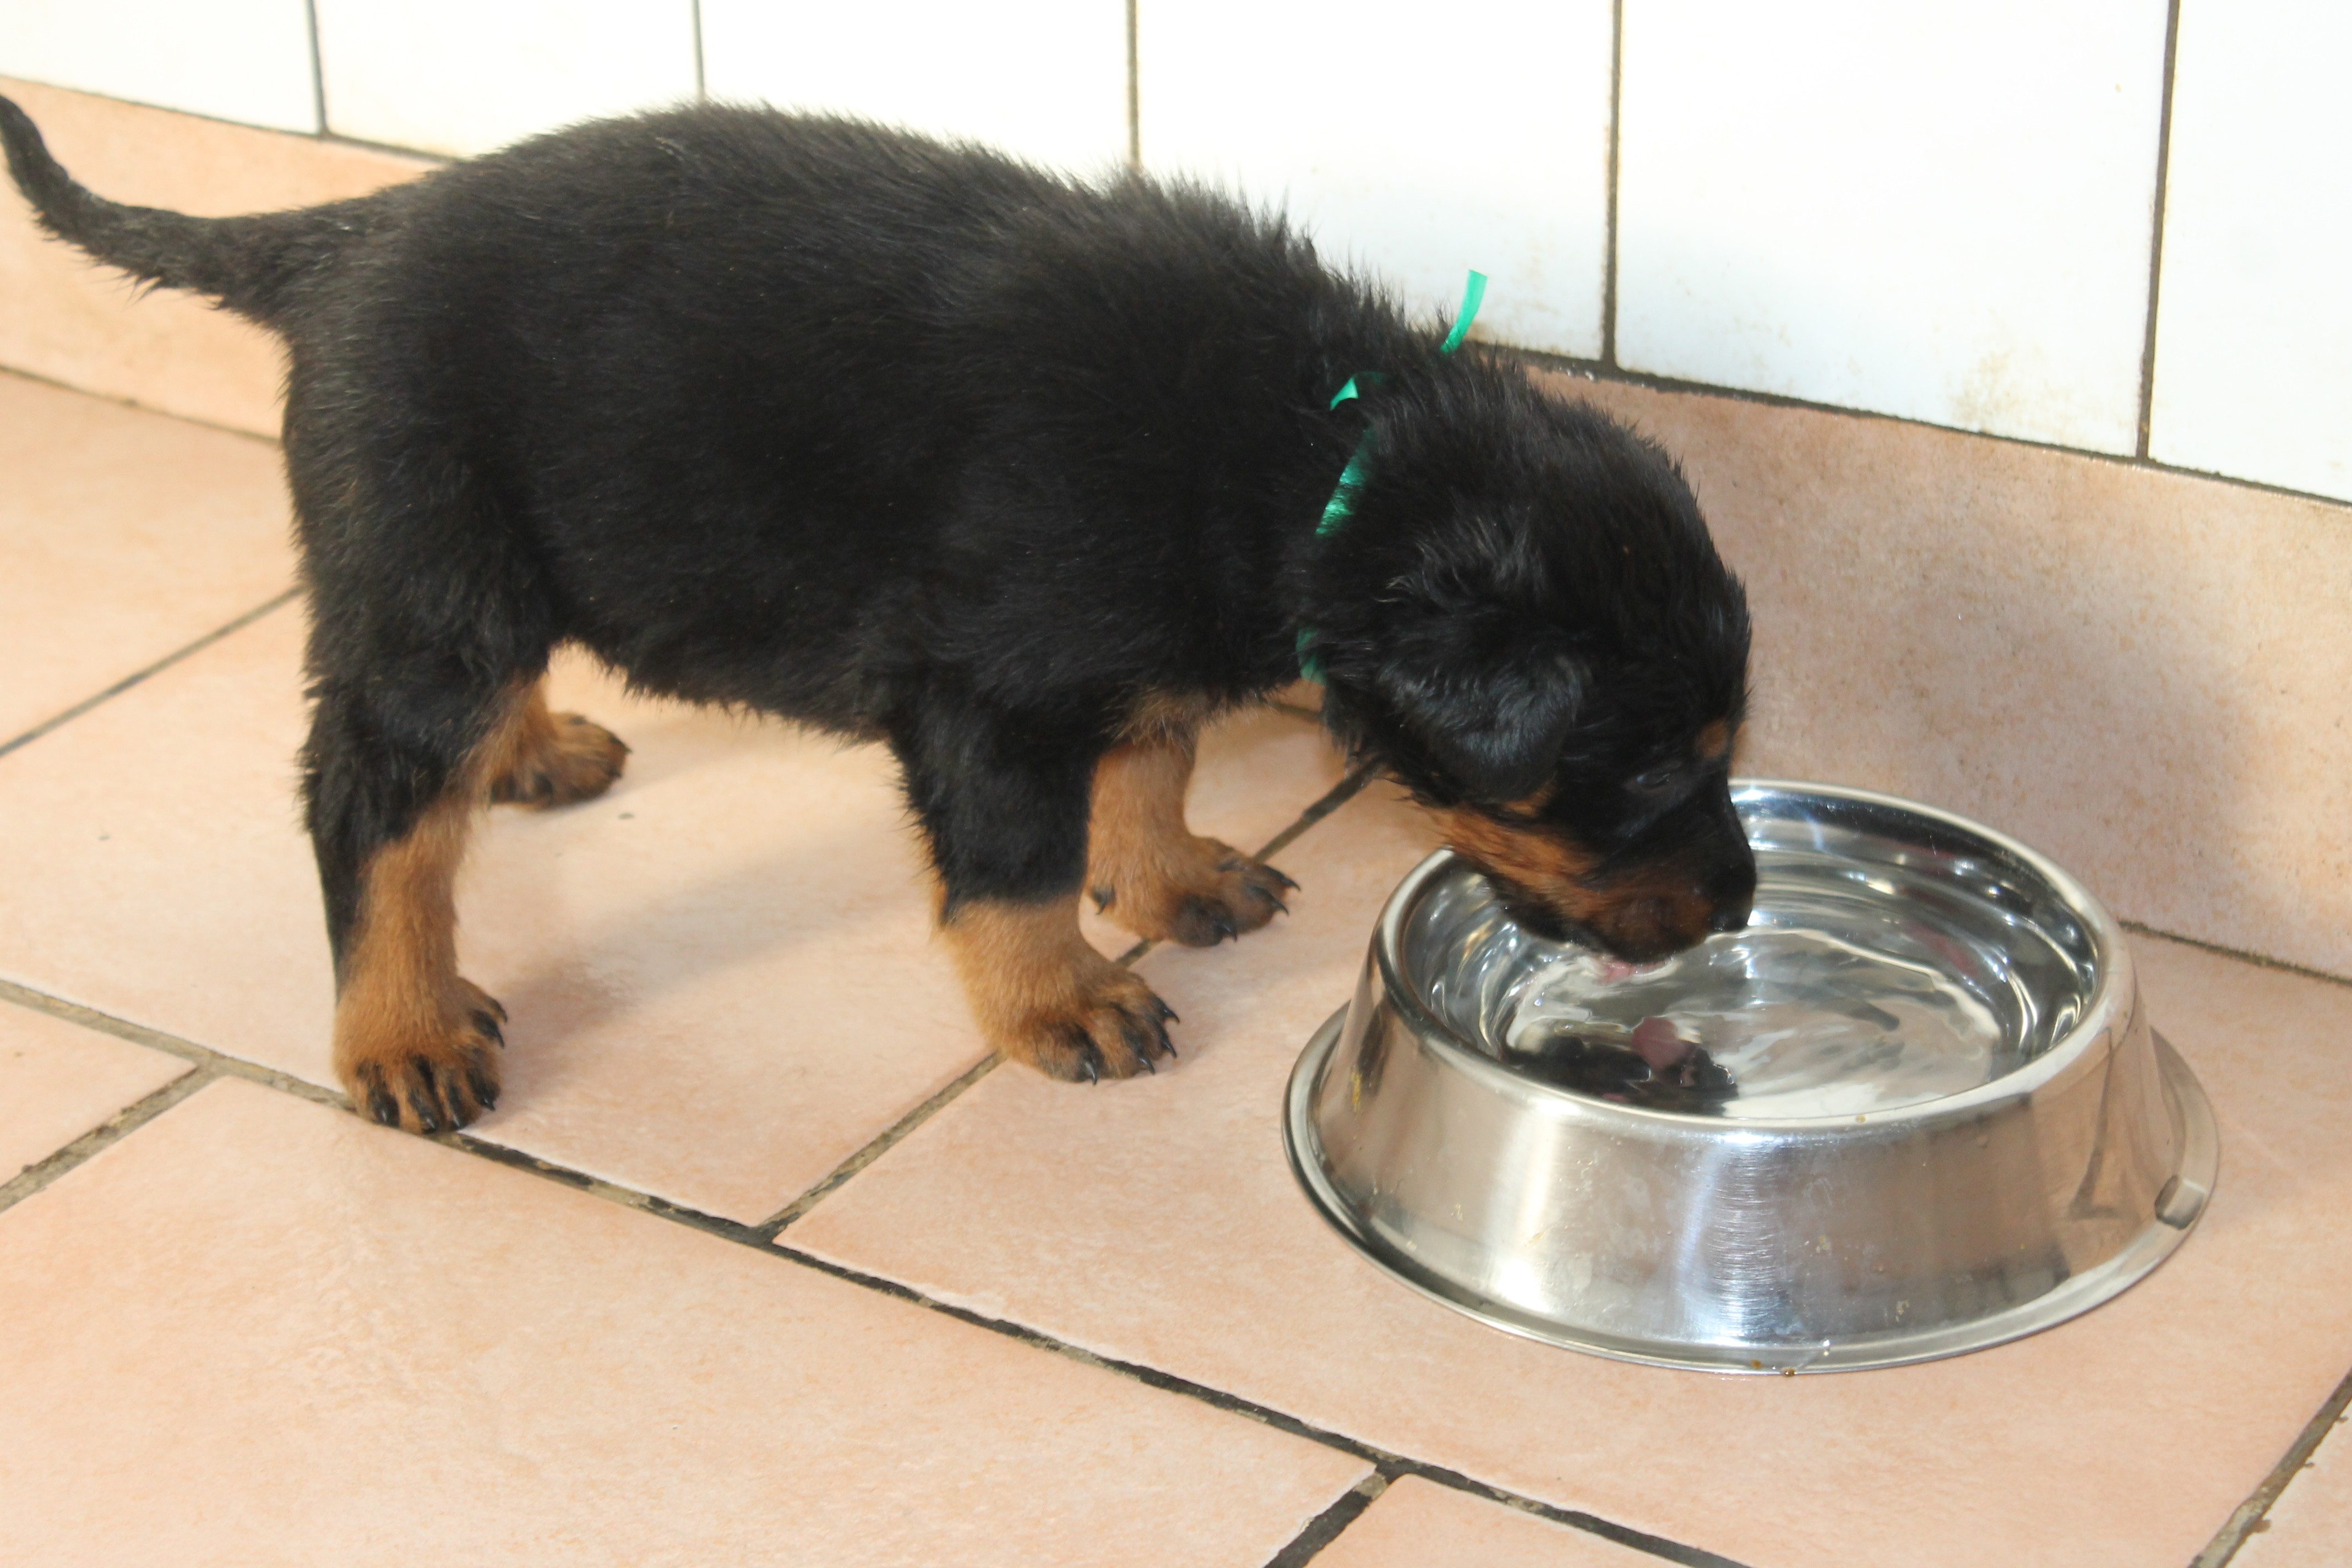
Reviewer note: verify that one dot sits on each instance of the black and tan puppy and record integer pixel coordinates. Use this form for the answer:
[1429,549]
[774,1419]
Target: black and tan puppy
[916,443]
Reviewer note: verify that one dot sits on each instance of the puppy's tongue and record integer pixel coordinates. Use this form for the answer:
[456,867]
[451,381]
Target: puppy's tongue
[1615,968]
[1660,1043]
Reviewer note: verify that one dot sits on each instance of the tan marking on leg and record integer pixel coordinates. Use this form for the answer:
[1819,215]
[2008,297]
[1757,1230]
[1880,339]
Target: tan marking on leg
[1172,715]
[1152,874]
[553,759]
[414,1039]
[1045,996]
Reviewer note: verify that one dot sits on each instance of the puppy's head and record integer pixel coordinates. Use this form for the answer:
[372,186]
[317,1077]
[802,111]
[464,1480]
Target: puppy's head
[1525,621]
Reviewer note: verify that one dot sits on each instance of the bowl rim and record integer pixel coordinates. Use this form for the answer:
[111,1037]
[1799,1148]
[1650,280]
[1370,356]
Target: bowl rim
[2109,1013]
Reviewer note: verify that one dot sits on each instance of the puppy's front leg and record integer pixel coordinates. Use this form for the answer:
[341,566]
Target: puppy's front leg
[1152,874]
[1003,804]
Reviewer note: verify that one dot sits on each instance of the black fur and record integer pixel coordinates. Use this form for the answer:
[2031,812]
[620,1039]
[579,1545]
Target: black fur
[914,442]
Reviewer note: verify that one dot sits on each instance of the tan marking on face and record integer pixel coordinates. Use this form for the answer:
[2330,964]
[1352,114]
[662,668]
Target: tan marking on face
[1715,742]
[1547,864]
[1528,804]
[1650,909]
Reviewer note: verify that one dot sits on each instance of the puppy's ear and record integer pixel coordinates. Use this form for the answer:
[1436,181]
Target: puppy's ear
[1495,721]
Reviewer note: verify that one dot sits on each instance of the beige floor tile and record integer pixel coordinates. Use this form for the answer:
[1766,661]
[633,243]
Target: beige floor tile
[2139,673]
[66,320]
[124,536]
[722,975]
[2310,1525]
[1420,1524]
[157,870]
[1178,1238]
[260,1330]
[58,1081]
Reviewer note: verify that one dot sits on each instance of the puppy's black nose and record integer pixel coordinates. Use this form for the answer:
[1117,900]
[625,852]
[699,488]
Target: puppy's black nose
[1732,890]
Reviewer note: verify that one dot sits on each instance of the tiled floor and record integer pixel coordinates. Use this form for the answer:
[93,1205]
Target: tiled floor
[758,1263]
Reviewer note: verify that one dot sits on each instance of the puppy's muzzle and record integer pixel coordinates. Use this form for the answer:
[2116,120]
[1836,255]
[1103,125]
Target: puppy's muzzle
[1639,906]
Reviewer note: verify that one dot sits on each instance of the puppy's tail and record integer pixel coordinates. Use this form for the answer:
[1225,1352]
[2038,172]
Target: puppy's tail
[255,266]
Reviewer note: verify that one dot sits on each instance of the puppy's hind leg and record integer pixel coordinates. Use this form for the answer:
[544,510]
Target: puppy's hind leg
[555,758]
[1003,800]
[392,787]
[1148,872]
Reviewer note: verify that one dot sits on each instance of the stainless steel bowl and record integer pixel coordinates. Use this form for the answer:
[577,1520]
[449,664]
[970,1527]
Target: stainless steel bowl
[1916,1109]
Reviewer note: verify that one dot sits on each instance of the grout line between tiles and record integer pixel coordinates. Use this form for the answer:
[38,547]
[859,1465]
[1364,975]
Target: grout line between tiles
[2242,955]
[1134,92]
[165,663]
[318,68]
[1389,1464]
[1609,217]
[214,1066]
[1327,1527]
[219,1064]
[1338,795]
[111,1131]
[2252,1516]
[2156,233]
[124,400]
[776,1223]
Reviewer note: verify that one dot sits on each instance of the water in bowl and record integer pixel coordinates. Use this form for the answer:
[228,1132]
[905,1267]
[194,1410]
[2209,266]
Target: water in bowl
[1860,985]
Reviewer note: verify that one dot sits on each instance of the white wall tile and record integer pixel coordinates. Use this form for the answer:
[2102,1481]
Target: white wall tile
[465,76]
[246,60]
[1414,138]
[1044,79]
[1943,212]
[2253,347]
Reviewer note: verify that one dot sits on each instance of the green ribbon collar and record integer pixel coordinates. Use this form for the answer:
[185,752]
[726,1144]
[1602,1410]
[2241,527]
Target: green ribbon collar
[1342,504]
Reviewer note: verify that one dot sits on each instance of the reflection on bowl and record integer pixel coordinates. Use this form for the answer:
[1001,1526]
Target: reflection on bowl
[1914,1109]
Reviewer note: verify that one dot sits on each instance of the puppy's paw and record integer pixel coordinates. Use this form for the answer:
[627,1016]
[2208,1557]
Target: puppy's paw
[1110,1026]
[1200,896]
[571,760]
[433,1072]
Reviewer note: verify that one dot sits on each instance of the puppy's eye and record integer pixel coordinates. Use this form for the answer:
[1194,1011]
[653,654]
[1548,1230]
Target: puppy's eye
[1657,778]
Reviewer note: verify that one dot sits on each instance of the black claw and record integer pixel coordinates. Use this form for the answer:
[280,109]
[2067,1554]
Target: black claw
[1277,903]
[1139,1041]
[1102,897]
[1089,1062]
[1281,879]
[422,1098]
[380,1102]
[1167,1013]
[486,1093]
[490,1026]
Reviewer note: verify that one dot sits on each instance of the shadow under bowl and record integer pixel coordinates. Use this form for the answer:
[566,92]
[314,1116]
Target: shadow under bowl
[1915,1108]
